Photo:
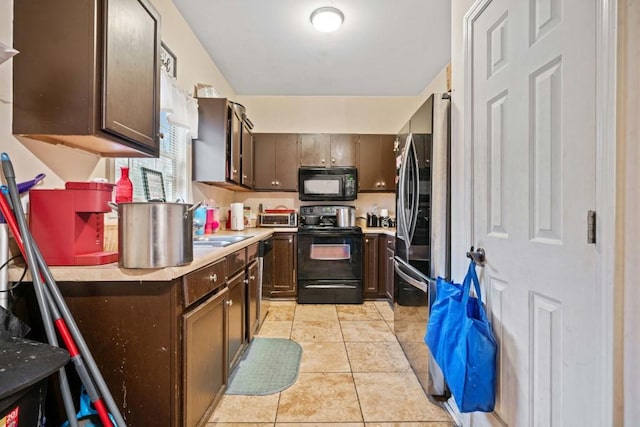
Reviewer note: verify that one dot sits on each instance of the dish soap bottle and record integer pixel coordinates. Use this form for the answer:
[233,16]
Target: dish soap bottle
[124,187]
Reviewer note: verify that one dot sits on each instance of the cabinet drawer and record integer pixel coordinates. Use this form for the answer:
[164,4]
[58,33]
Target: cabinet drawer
[236,261]
[252,253]
[200,282]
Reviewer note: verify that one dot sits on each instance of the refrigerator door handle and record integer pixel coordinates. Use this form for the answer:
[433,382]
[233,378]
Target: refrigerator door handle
[405,271]
[402,184]
[416,189]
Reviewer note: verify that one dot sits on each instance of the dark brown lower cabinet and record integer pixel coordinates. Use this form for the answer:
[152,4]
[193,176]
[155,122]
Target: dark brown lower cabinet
[164,348]
[378,266]
[370,266]
[205,333]
[282,266]
[387,253]
[236,318]
[252,300]
[134,333]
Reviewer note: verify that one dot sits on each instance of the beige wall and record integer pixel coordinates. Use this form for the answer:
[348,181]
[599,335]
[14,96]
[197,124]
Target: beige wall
[356,114]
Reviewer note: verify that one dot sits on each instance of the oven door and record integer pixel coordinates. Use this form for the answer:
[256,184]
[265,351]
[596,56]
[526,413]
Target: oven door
[329,255]
[329,268]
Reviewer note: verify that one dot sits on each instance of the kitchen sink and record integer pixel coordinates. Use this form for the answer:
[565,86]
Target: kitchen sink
[218,241]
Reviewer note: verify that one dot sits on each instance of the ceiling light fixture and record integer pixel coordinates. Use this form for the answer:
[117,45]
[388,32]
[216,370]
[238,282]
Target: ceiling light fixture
[327,19]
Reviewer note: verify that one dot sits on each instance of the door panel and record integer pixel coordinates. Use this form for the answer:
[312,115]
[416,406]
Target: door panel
[533,144]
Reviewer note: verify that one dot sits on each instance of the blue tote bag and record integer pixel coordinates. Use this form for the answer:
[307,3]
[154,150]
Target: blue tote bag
[461,341]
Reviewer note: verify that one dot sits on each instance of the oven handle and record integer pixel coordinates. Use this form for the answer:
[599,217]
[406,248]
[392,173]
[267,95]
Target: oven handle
[335,286]
[322,233]
[416,280]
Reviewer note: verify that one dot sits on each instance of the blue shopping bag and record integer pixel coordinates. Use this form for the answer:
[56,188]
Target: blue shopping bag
[461,341]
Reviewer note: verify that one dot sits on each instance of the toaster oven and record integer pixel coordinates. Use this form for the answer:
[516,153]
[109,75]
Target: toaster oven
[281,219]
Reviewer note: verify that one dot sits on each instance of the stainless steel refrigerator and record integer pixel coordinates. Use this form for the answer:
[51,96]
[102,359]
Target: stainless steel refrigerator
[423,233]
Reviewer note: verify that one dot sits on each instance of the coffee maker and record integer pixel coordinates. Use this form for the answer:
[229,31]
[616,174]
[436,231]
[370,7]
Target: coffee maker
[68,224]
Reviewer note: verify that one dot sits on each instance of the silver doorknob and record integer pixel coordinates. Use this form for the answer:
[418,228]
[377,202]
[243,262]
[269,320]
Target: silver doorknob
[478,256]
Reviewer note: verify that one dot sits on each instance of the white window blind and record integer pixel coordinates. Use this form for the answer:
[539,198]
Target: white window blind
[171,163]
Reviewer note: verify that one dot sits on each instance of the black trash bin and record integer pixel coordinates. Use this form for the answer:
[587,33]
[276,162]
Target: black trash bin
[25,366]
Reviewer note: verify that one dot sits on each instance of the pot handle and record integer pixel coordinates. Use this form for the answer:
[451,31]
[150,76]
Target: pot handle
[113,206]
[192,207]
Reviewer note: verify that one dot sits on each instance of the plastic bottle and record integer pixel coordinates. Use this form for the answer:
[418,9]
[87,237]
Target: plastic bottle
[124,187]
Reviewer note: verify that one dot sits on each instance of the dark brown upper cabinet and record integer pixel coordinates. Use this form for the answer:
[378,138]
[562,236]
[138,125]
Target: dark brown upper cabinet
[88,75]
[276,161]
[376,163]
[327,150]
[248,147]
[223,152]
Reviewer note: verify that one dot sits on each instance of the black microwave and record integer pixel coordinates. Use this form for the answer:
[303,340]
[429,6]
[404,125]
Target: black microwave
[327,184]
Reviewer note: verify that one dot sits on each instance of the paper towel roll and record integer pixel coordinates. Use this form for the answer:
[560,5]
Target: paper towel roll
[237,216]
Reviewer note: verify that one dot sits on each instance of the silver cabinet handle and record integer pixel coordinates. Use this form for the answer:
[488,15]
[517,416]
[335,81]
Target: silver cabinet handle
[333,160]
[252,277]
[277,183]
[213,278]
[366,240]
[246,281]
[230,302]
[322,160]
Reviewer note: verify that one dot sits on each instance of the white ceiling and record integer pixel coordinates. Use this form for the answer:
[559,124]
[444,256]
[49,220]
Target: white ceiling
[269,47]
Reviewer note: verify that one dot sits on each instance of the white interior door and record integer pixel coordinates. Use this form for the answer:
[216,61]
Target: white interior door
[532,117]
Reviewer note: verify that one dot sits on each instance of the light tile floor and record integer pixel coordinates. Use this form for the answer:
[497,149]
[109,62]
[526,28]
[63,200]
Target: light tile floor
[353,373]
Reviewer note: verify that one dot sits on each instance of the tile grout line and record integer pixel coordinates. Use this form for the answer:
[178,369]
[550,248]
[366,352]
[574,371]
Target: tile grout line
[344,343]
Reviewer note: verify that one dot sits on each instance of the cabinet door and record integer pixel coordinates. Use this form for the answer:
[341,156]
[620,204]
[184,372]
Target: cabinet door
[247,157]
[387,163]
[286,162]
[265,163]
[284,265]
[376,163]
[236,319]
[131,72]
[370,259]
[314,149]
[343,150]
[235,146]
[204,357]
[252,300]
[276,161]
[369,162]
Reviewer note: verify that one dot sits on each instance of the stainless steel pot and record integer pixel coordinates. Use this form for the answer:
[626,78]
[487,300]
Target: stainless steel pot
[155,234]
[346,217]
